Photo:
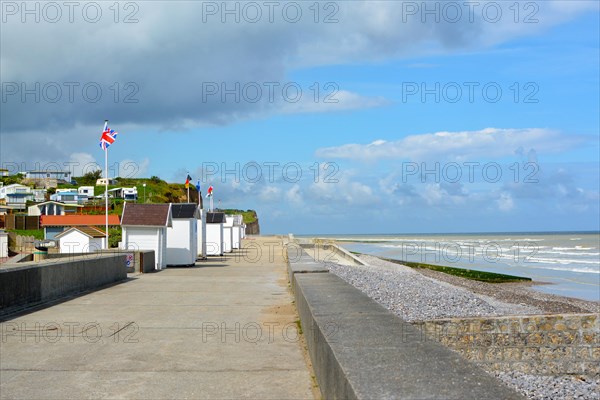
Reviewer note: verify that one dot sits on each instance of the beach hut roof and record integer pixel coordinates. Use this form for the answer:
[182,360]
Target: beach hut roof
[215,218]
[185,210]
[135,214]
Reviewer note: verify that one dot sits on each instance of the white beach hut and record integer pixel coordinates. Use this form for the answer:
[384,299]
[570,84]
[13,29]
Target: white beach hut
[228,234]
[145,228]
[214,233]
[81,239]
[237,231]
[182,237]
[201,224]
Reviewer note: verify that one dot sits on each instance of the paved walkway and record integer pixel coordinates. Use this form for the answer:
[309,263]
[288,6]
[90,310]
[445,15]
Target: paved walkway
[223,329]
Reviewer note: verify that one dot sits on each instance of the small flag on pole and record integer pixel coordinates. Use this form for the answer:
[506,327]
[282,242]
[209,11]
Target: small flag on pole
[108,136]
[209,191]
[198,186]
[187,182]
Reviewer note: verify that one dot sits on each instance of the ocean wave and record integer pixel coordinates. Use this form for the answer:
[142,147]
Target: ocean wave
[563,261]
[574,248]
[569,253]
[582,270]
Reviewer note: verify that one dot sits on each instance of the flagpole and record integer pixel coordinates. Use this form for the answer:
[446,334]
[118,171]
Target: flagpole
[188,192]
[106,191]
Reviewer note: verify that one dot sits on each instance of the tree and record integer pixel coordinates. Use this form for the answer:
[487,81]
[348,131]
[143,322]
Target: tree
[90,178]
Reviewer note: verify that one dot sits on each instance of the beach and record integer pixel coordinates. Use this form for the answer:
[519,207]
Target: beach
[417,295]
[565,264]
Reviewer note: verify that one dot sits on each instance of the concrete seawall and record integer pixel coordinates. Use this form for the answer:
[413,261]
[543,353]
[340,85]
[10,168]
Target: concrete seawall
[31,283]
[359,350]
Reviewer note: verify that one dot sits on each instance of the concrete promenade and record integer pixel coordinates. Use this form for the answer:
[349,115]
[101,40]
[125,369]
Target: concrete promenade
[225,328]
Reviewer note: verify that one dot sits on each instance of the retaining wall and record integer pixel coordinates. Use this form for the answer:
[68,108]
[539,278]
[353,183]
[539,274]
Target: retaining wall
[539,344]
[143,260]
[359,350]
[30,283]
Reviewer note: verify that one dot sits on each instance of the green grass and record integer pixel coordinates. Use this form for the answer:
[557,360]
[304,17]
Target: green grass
[481,276]
[36,233]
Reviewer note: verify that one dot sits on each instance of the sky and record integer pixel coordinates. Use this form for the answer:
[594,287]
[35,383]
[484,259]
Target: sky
[325,117]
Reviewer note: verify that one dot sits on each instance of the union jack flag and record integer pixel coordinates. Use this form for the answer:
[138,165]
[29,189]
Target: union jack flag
[108,137]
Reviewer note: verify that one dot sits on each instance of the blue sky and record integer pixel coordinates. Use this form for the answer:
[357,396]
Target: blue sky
[532,151]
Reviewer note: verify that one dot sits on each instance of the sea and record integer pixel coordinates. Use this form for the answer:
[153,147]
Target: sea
[565,263]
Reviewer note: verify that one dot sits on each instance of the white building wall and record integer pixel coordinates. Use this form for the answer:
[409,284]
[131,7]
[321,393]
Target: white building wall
[182,242]
[201,226]
[3,244]
[227,239]
[146,238]
[237,236]
[76,242]
[214,239]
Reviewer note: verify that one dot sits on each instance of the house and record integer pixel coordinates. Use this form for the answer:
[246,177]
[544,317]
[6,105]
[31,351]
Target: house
[68,196]
[102,182]
[43,175]
[39,195]
[228,234]
[52,208]
[18,195]
[55,224]
[145,228]
[182,237]
[201,224]
[81,239]
[86,192]
[3,172]
[214,233]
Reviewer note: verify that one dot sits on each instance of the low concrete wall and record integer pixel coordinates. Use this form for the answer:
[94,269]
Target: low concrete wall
[359,350]
[143,260]
[540,344]
[27,284]
[331,252]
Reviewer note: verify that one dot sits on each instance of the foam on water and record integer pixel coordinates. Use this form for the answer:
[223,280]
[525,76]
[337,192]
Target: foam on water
[552,258]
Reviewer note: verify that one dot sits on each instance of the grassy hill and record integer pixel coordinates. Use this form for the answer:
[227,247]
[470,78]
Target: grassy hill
[156,191]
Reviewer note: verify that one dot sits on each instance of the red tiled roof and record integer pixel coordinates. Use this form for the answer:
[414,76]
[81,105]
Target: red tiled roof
[78,220]
[146,214]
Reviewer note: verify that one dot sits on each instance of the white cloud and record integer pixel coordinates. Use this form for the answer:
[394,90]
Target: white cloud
[270,194]
[294,196]
[82,163]
[192,49]
[505,202]
[133,169]
[333,100]
[456,146]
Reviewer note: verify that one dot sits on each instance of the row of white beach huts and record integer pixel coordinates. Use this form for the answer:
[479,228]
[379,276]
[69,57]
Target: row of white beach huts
[179,233]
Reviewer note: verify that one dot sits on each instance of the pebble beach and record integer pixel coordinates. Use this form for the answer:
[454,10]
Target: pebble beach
[421,295]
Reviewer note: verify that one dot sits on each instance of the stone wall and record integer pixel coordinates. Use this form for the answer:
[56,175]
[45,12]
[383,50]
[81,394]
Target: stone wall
[540,344]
